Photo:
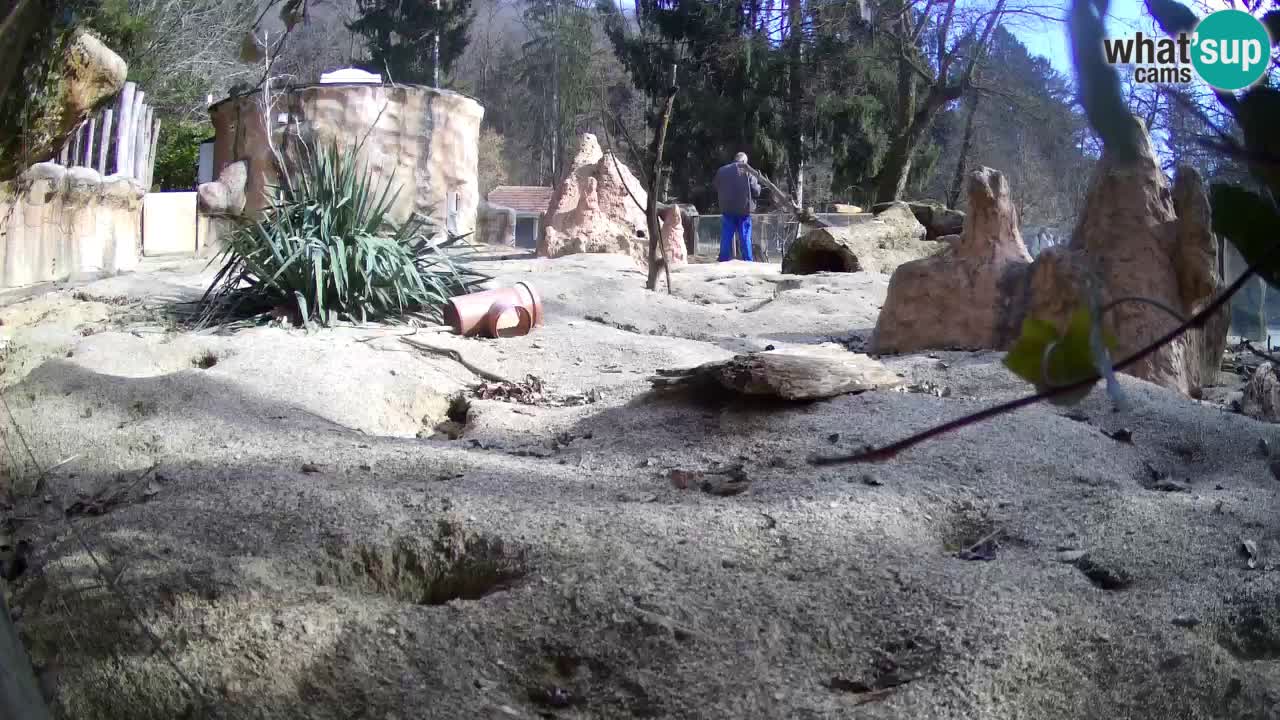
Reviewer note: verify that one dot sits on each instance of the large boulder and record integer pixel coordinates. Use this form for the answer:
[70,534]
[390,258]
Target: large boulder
[92,73]
[225,197]
[598,208]
[966,297]
[87,73]
[1136,239]
[938,220]
[878,243]
[1261,397]
[495,225]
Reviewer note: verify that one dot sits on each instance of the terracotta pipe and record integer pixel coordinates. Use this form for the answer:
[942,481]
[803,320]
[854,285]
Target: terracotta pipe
[495,328]
[467,314]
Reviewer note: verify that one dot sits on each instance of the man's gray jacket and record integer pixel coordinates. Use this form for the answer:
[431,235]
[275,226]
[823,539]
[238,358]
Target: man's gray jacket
[737,188]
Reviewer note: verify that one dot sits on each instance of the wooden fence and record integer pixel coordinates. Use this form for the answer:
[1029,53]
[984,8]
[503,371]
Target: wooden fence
[119,140]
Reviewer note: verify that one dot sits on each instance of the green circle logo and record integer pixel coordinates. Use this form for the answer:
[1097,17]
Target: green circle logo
[1232,49]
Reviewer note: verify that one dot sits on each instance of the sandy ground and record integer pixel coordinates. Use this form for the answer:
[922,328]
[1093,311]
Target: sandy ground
[283,512]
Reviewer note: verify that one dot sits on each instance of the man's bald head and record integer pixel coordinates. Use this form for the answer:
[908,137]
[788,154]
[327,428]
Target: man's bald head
[740,158]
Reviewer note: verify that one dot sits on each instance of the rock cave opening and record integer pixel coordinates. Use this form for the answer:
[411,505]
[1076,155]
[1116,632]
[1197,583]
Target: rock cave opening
[822,260]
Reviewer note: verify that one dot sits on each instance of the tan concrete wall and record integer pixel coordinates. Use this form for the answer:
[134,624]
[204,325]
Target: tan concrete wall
[169,223]
[61,224]
[425,140]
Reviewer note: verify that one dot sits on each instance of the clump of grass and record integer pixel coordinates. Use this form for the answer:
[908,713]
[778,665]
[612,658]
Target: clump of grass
[324,250]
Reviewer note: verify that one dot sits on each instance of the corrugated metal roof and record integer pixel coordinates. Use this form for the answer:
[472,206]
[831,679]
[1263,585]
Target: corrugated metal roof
[522,198]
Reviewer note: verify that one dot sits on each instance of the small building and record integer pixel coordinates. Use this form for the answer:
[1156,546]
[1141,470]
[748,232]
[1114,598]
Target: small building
[350,75]
[530,203]
[204,165]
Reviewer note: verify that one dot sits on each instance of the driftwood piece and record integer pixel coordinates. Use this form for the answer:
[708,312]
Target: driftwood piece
[791,374]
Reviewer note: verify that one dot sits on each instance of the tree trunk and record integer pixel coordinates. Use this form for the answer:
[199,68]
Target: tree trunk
[795,154]
[557,118]
[658,248]
[892,179]
[957,180]
[435,49]
[17,26]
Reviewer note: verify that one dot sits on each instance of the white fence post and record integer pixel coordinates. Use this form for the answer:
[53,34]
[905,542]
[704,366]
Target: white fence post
[122,128]
[135,123]
[74,142]
[88,142]
[106,141]
[151,156]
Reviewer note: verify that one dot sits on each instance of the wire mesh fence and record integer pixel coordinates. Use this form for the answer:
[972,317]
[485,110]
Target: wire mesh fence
[1255,309]
[771,234]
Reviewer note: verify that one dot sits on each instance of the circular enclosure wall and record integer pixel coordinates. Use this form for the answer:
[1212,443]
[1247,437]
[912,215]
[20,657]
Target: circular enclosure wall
[422,139]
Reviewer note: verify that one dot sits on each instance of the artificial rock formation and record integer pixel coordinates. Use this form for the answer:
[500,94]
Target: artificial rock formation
[222,201]
[59,224]
[965,297]
[422,140]
[1261,397]
[1135,238]
[689,223]
[598,208]
[225,196]
[938,220]
[89,74]
[871,243]
[92,73]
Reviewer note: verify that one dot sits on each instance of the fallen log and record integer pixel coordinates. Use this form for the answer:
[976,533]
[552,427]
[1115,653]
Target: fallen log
[809,373]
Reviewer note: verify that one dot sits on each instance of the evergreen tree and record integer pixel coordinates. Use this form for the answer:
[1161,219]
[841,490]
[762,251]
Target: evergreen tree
[557,71]
[793,84]
[405,37]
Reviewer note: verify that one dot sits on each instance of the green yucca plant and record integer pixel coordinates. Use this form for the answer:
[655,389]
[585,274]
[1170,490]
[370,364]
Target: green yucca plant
[324,250]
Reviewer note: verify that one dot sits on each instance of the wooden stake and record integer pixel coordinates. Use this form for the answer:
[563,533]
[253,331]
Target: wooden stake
[135,123]
[88,142]
[657,248]
[144,146]
[76,136]
[151,154]
[106,141]
[122,129]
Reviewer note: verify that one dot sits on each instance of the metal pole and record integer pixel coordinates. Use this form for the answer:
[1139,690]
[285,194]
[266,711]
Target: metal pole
[435,50]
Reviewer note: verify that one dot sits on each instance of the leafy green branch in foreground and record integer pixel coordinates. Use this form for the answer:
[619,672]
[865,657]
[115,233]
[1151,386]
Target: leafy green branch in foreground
[1077,388]
[1247,219]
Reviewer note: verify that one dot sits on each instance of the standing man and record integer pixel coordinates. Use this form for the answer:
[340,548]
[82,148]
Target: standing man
[738,189]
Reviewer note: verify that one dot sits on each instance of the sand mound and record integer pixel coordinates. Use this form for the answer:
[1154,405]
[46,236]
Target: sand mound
[300,554]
